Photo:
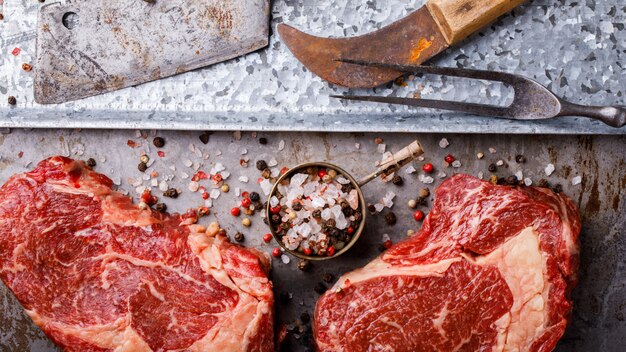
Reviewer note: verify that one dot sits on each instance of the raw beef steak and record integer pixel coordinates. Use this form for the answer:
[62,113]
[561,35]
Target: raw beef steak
[490,270]
[97,273]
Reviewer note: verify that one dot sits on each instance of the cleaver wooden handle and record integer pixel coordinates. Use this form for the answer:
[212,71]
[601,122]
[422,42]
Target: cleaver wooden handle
[457,19]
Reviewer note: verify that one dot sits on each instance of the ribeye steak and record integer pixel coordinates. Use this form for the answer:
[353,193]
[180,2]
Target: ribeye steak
[97,273]
[490,270]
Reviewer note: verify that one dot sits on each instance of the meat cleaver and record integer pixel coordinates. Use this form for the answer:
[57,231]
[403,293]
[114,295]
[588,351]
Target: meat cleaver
[410,41]
[90,47]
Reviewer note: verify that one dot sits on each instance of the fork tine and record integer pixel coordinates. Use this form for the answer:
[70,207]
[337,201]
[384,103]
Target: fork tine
[444,71]
[469,108]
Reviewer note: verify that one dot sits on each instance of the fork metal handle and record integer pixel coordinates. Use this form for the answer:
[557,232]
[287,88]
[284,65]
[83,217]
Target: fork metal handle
[614,116]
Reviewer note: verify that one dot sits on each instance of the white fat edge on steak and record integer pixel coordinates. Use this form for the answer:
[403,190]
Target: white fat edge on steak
[235,331]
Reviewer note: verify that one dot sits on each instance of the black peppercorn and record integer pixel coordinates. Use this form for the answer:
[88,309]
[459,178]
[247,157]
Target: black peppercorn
[276,219]
[397,180]
[255,197]
[316,214]
[263,141]
[511,180]
[328,278]
[347,188]
[390,218]
[371,208]
[285,226]
[142,167]
[320,288]
[520,159]
[239,237]
[557,188]
[331,223]
[304,265]
[492,168]
[261,165]
[12,100]
[171,193]
[158,142]
[204,138]
[305,317]
[297,206]
[160,207]
[91,162]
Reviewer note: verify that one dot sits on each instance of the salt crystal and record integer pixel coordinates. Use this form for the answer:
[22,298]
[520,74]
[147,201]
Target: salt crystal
[274,201]
[237,191]
[163,186]
[272,162]
[140,189]
[198,153]
[443,143]
[499,162]
[285,259]
[492,150]
[275,172]
[266,186]
[184,175]
[145,177]
[225,175]
[410,170]
[244,151]
[381,148]
[193,186]
[353,199]
[281,145]
[298,179]
[218,152]
[421,158]
[137,134]
[317,202]
[426,179]
[150,162]
[528,182]
[309,188]
[208,203]
[342,180]
[549,169]
[327,214]
[456,164]
[215,193]
[244,179]
[196,166]
[217,168]
[341,222]
[480,155]
[379,207]
[357,145]
[173,167]
[386,237]
[117,180]
[481,175]
[388,199]
[191,147]
[519,175]
[577,180]
[154,182]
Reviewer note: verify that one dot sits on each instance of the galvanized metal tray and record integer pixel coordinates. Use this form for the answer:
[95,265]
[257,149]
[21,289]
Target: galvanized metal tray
[575,48]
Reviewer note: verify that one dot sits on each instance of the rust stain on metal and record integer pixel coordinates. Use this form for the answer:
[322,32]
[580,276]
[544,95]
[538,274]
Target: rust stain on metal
[391,44]
[417,51]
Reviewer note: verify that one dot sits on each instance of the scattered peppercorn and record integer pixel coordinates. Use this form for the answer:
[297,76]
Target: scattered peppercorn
[246,222]
[520,159]
[255,197]
[421,200]
[144,159]
[261,165]
[320,288]
[412,204]
[275,219]
[171,193]
[276,252]
[378,140]
[235,211]
[225,188]
[91,162]
[511,180]
[424,193]
[239,237]
[428,168]
[204,211]
[390,218]
[263,141]
[161,207]
[12,100]
[543,183]
[267,238]
[266,174]
[316,214]
[397,180]
[27,67]
[305,317]
[304,265]
[158,142]
[328,278]
[449,159]
[371,208]
[142,167]
[557,188]
[204,138]
[418,215]
[492,167]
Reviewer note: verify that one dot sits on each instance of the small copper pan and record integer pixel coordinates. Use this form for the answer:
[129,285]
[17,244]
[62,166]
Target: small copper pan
[393,164]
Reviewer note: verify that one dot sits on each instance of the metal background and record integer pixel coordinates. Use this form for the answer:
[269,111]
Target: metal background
[574,47]
[600,297]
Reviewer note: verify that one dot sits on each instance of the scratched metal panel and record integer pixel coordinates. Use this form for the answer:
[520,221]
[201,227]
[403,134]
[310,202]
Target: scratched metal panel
[599,299]
[575,47]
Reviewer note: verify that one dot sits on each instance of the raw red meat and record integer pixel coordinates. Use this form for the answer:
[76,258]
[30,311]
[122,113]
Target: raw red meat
[490,270]
[97,273]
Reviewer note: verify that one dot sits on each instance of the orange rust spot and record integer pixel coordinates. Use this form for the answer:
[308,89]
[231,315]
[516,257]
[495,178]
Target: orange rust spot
[401,82]
[416,52]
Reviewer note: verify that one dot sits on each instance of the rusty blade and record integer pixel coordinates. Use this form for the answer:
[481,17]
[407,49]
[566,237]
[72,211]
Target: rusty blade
[411,40]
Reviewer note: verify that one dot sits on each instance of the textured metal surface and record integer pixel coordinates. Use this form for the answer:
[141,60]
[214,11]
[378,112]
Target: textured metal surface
[411,40]
[118,44]
[576,48]
[600,297]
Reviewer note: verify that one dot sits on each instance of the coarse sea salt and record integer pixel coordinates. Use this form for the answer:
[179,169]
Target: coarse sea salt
[381,148]
[244,179]
[443,143]
[577,180]
[456,164]
[410,170]
[281,145]
[193,186]
[272,162]
[519,175]
[215,193]
[528,182]
[549,169]
[426,179]
[285,259]
[266,186]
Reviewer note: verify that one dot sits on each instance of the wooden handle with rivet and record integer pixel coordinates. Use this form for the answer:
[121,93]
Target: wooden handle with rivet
[457,19]
[395,162]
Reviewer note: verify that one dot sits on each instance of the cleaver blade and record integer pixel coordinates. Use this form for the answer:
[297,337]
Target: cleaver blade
[86,48]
